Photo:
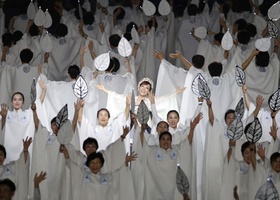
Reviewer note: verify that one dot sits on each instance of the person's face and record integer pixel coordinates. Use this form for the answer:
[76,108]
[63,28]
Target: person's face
[162,127]
[165,142]
[103,118]
[17,101]
[144,89]
[2,158]
[275,165]
[229,118]
[247,155]
[54,128]
[173,120]
[5,193]
[95,165]
[90,148]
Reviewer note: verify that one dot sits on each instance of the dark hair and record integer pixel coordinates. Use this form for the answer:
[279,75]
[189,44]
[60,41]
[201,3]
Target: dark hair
[218,37]
[165,133]
[229,111]
[114,65]
[150,24]
[192,9]
[7,39]
[88,18]
[162,122]
[262,59]
[244,146]
[8,183]
[53,120]
[102,110]
[22,96]
[73,71]
[34,30]
[241,24]
[274,157]
[114,40]
[90,140]
[129,27]
[127,36]
[93,156]
[215,68]
[61,30]
[198,61]
[26,55]
[17,35]
[3,149]
[173,111]
[251,28]
[122,13]
[243,37]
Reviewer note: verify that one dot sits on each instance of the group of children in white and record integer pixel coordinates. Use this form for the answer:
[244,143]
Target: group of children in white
[209,132]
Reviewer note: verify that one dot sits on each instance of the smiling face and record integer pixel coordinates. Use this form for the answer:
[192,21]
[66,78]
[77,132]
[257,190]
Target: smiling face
[162,127]
[90,148]
[95,165]
[247,155]
[144,89]
[165,141]
[173,119]
[103,117]
[17,101]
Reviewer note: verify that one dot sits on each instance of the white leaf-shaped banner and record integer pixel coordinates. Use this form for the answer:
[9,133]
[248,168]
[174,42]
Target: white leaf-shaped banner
[182,181]
[33,91]
[148,8]
[204,90]
[46,43]
[267,191]
[235,129]
[48,19]
[104,3]
[253,131]
[240,76]
[102,61]
[124,47]
[200,32]
[80,88]
[227,41]
[239,109]
[132,105]
[195,87]
[134,35]
[260,22]
[164,8]
[62,116]
[31,11]
[274,101]
[273,29]
[65,133]
[143,113]
[263,44]
[40,17]
[273,12]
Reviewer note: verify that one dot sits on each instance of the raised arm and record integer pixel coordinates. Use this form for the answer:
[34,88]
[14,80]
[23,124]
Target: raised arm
[248,61]
[246,97]
[259,102]
[44,90]
[91,51]
[210,112]
[78,105]
[26,144]
[3,113]
[178,54]
[276,45]
[231,145]
[102,88]
[193,125]
[37,180]
[127,106]
[35,116]
[127,62]
[82,54]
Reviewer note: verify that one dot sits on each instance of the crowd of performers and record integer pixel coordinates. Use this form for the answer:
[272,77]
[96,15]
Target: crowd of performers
[138,120]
